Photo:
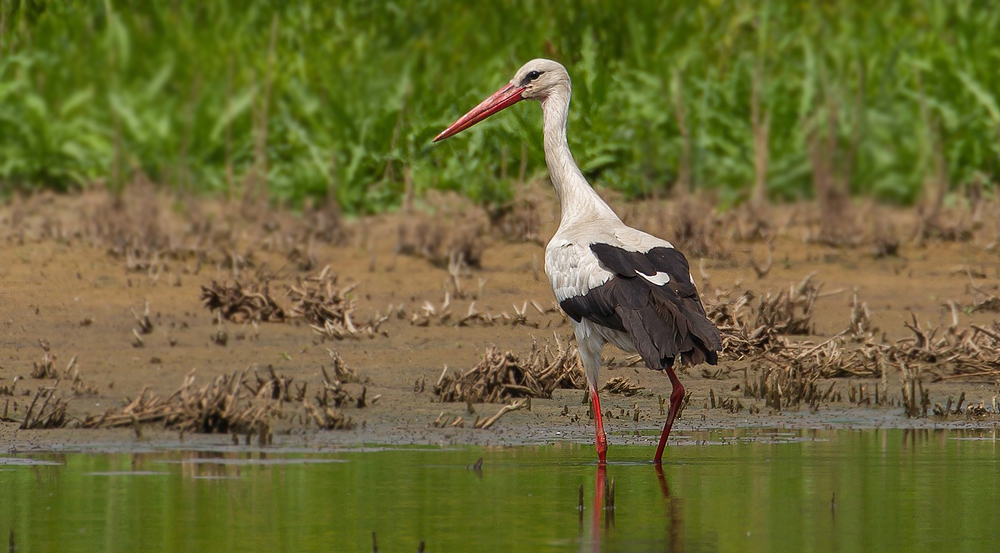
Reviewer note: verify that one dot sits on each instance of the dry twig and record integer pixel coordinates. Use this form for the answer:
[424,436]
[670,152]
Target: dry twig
[502,376]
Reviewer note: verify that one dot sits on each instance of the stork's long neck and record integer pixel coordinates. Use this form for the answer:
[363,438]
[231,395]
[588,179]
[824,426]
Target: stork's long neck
[577,199]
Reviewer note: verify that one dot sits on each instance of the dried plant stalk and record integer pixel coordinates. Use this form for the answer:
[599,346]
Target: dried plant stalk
[503,376]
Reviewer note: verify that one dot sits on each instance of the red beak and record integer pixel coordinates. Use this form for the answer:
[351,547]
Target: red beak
[500,100]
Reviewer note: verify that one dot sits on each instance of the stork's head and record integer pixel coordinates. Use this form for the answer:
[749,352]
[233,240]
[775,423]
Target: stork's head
[536,80]
[541,77]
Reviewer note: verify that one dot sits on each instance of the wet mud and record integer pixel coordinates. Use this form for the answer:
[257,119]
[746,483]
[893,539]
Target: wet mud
[103,302]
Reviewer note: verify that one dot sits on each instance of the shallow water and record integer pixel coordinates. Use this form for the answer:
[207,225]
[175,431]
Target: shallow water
[871,490]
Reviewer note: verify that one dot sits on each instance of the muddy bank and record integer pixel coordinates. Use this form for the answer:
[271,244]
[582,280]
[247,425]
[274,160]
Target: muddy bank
[429,291]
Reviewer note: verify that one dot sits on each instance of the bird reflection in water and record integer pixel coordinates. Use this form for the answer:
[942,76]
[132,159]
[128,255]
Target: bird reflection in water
[672,508]
[604,503]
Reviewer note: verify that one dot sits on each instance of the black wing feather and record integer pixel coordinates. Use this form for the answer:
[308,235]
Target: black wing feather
[663,321]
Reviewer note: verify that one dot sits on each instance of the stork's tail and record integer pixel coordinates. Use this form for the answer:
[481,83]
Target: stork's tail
[664,330]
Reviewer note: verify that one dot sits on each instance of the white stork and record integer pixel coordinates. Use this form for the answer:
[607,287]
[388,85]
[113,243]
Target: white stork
[617,284]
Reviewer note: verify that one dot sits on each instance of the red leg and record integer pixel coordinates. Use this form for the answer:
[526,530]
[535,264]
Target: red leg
[676,396]
[602,440]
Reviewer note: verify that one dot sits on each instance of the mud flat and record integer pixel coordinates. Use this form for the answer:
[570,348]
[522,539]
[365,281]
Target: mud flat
[155,319]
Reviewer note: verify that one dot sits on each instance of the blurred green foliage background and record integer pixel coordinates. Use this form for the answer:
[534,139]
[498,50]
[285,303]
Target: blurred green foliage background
[315,98]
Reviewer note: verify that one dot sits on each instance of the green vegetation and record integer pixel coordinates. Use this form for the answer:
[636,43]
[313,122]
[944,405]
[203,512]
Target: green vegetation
[312,98]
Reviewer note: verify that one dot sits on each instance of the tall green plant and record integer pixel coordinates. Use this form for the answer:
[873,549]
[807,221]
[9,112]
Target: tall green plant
[345,100]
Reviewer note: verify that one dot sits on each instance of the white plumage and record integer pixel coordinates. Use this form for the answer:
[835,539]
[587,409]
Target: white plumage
[573,270]
[659,279]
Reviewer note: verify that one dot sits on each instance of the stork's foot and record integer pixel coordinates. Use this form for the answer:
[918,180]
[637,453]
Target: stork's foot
[602,448]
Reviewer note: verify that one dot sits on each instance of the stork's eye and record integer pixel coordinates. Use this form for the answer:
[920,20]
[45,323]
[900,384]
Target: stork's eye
[532,75]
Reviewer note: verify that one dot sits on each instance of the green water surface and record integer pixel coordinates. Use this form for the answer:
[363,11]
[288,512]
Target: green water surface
[871,490]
